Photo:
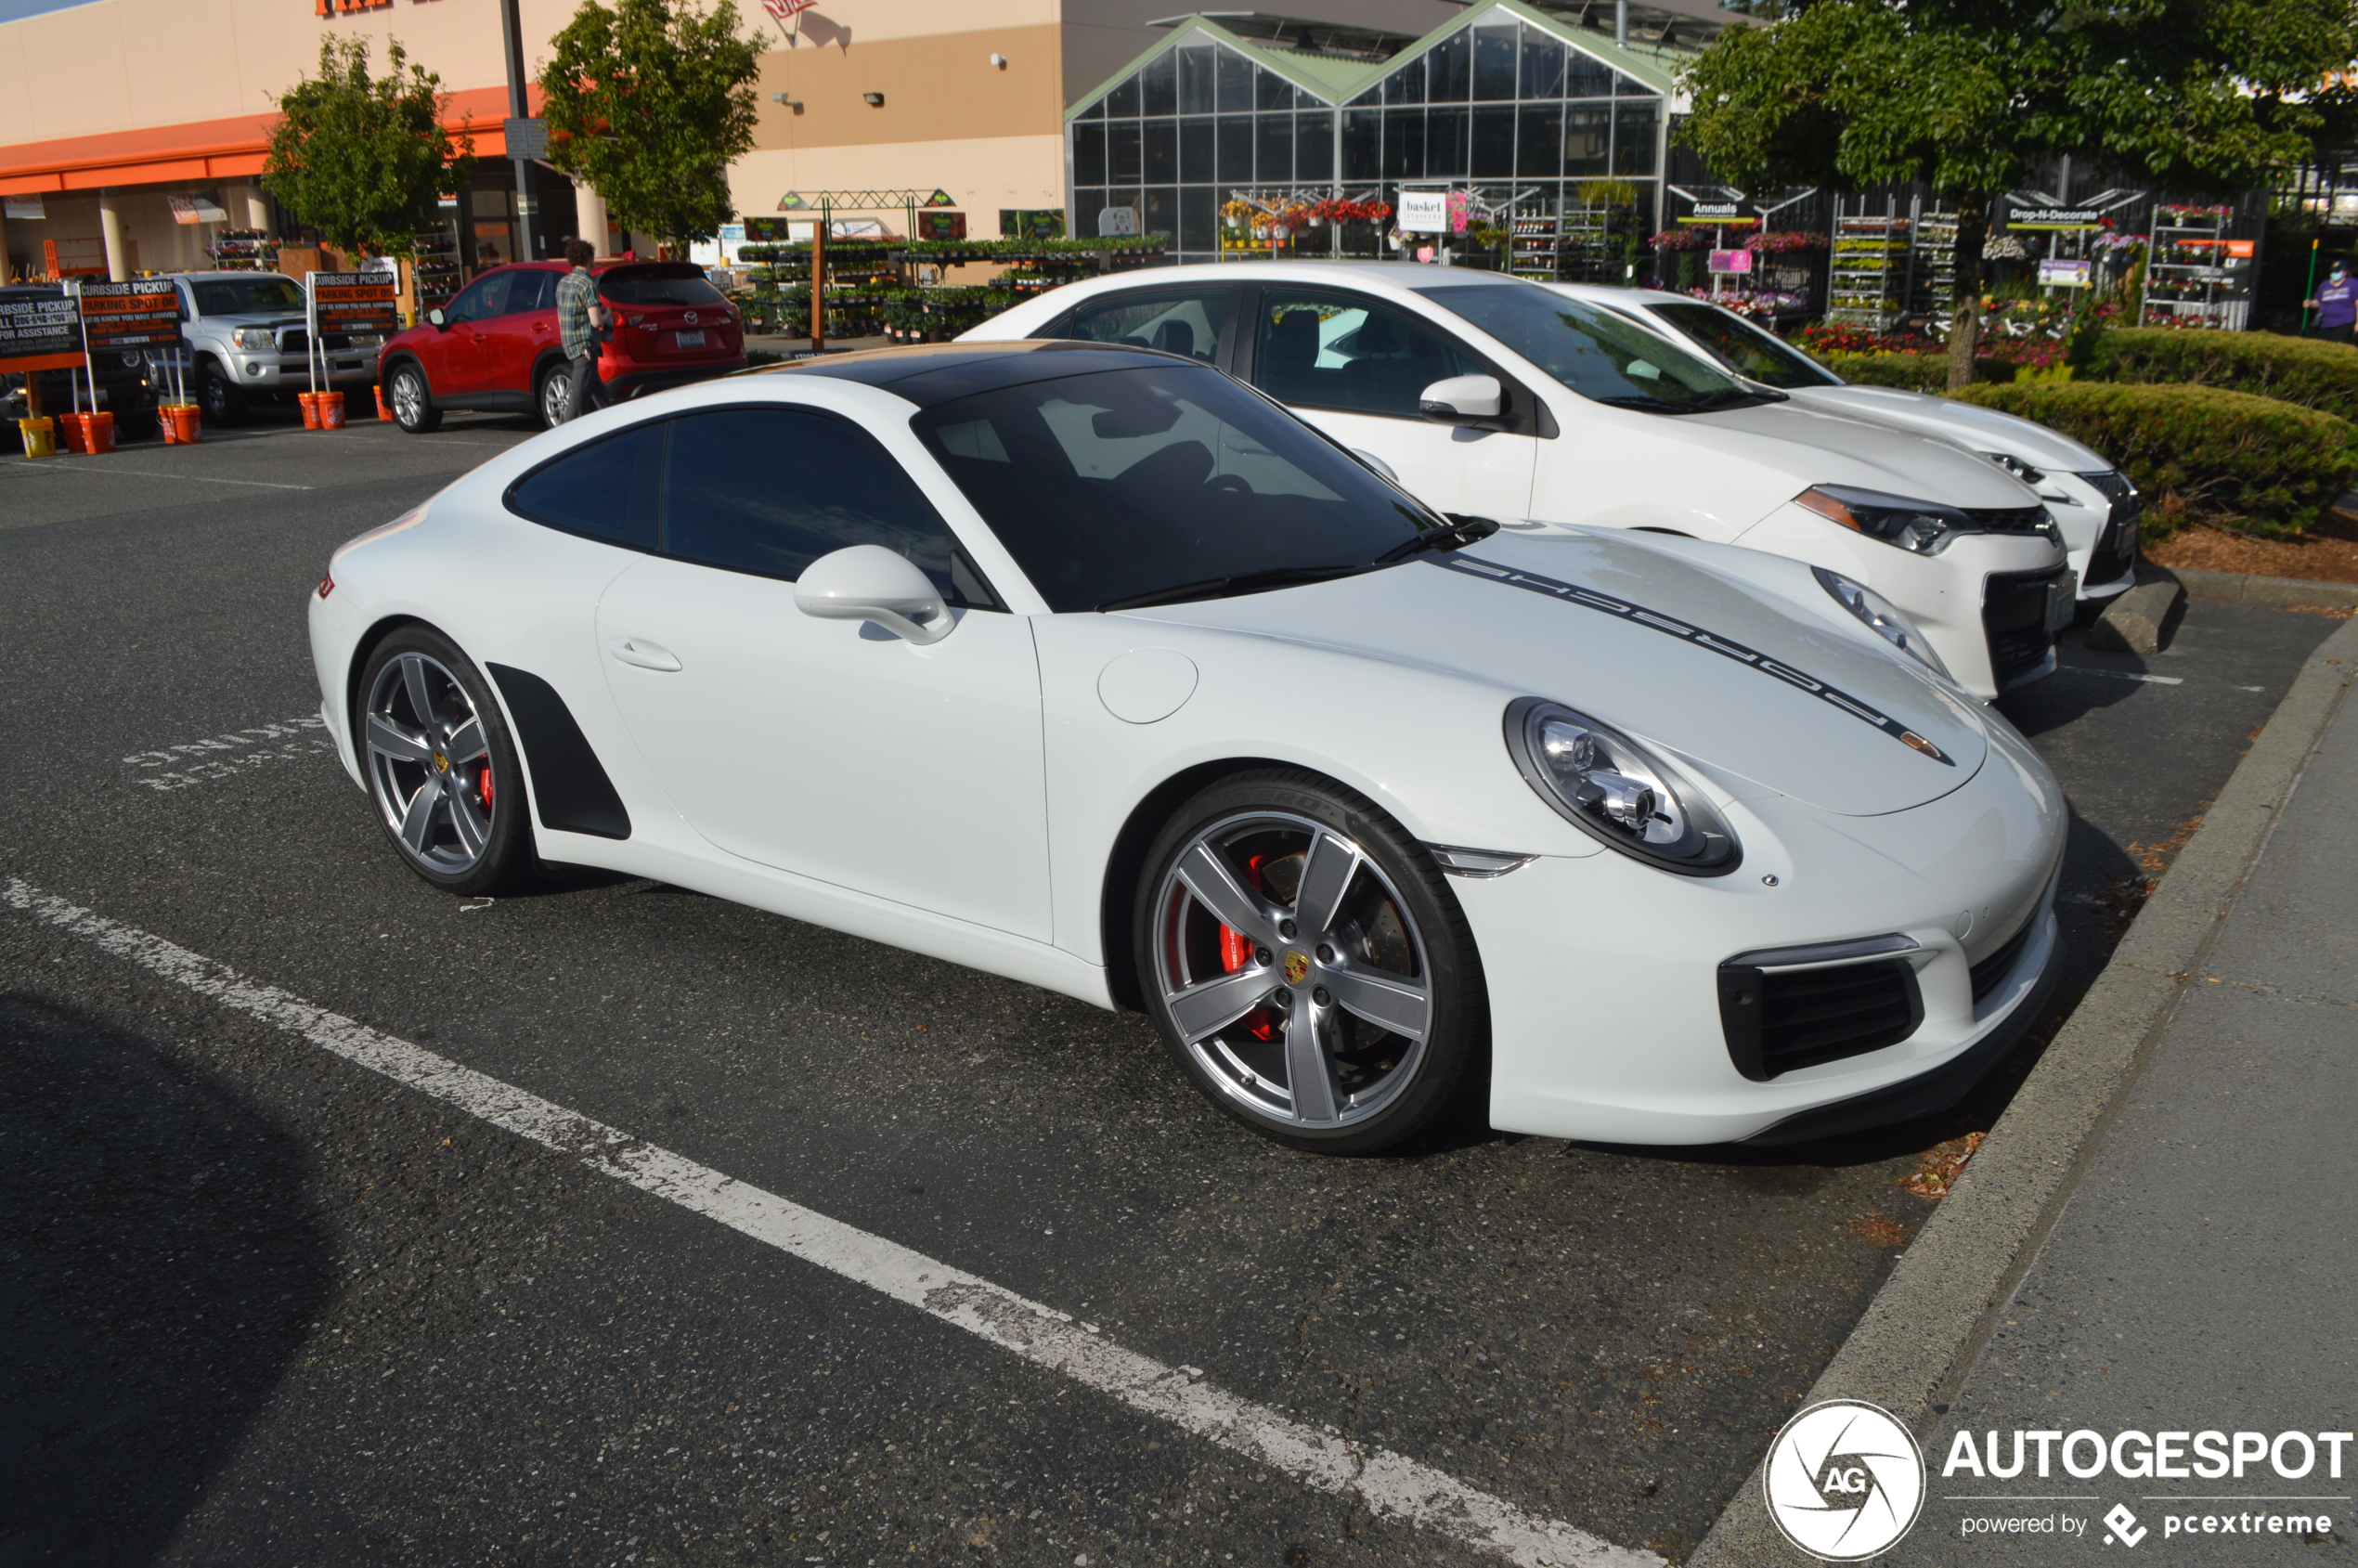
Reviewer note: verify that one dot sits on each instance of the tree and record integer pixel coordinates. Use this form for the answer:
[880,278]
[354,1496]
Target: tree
[1973,96]
[650,104]
[362,159]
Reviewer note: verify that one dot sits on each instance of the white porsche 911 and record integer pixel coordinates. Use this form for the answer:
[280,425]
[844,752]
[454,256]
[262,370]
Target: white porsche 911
[1090,666]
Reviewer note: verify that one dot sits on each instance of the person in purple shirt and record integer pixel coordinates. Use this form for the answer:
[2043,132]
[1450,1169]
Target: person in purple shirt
[2337,305]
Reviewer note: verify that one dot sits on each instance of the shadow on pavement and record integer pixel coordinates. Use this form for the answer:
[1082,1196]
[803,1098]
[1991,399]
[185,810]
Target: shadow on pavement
[160,1265]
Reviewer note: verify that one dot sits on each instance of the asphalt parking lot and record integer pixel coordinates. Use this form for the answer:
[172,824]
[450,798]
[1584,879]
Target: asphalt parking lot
[259,1305]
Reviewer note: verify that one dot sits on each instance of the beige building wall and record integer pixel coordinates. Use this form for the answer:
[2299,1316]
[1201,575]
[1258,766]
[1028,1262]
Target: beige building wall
[982,175]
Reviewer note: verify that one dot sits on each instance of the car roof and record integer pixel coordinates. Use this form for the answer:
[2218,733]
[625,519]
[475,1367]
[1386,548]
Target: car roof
[1635,296]
[930,373]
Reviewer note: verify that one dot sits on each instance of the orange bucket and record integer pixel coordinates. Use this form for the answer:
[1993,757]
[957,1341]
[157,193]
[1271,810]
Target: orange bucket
[77,438]
[184,424]
[310,401]
[383,412]
[331,410]
[97,430]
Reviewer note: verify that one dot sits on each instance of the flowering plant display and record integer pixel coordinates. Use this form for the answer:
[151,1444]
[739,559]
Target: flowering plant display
[1343,209]
[1777,242]
[1692,238]
[2002,247]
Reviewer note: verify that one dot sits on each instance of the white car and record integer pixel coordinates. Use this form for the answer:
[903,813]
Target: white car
[2090,498]
[1492,396]
[1093,668]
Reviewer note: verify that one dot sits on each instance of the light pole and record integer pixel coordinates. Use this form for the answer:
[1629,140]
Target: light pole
[511,35]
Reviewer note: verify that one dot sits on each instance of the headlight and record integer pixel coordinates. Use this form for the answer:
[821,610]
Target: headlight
[2016,467]
[1924,527]
[1615,791]
[253,337]
[1887,620]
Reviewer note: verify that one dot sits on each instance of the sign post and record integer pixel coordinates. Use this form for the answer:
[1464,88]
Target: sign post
[346,301]
[42,332]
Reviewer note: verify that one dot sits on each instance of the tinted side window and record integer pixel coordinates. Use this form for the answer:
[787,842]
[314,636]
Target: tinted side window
[605,490]
[770,490]
[532,290]
[1189,323]
[1332,351]
[487,298]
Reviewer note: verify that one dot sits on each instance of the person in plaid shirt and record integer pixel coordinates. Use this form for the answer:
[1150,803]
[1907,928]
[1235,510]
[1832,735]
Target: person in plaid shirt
[581,317]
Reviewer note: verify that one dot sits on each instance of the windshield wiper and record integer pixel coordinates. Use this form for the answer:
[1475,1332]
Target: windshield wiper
[1240,582]
[1653,405]
[1744,397]
[1461,532]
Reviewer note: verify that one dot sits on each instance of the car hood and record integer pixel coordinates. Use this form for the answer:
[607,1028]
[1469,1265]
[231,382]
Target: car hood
[1833,446]
[1982,430]
[1732,678]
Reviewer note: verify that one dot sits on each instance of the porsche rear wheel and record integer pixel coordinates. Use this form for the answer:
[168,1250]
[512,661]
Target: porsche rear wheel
[1307,963]
[442,771]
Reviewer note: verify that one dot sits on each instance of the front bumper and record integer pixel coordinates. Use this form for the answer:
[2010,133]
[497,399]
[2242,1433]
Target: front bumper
[287,373]
[1606,1016]
[1946,594]
[2099,529]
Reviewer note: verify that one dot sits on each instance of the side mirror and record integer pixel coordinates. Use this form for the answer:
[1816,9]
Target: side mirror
[1375,464]
[1461,400]
[437,318]
[867,582]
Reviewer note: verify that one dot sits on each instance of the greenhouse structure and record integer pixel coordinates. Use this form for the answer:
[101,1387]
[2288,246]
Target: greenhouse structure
[1544,122]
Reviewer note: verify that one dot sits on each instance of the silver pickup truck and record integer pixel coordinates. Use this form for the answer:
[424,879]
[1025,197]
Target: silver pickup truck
[247,338]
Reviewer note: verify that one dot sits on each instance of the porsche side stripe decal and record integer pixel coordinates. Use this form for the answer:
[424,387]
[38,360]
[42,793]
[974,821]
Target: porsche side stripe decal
[1671,626]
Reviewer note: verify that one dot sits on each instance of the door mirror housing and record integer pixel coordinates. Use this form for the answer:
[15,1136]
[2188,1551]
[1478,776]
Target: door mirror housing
[437,318]
[1462,400]
[867,582]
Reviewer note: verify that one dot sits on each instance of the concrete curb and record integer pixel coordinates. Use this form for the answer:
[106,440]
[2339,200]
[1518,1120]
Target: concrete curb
[1931,1316]
[2240,587]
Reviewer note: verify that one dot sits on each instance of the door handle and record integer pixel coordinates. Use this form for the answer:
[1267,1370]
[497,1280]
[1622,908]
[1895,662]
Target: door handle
[646,655]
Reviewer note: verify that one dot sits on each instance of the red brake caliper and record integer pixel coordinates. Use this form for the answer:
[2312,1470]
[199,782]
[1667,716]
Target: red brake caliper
[1236,952]
[482,788]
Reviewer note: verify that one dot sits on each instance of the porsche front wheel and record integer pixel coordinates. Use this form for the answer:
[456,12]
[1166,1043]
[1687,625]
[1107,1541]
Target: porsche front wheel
[441,769]
[1307,963]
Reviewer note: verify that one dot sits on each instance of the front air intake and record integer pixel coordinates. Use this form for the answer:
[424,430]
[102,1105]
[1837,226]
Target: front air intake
[1785,1010]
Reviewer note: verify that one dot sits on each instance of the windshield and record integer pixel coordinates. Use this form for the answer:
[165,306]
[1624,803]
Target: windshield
[633,285]
[263,293]
[1125,484]
[1744,348]
[1594,351]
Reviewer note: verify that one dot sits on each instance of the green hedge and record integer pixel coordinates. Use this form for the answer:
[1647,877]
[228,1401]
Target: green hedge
[2268,465]
[1925,370]
[2316,375]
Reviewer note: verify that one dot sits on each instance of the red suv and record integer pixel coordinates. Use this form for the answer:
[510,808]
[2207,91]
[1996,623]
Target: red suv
[495,345]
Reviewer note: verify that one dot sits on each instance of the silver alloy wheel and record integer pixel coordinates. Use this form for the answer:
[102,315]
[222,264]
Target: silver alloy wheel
[408,395]
[556,397]
[1292,970]
[429,764]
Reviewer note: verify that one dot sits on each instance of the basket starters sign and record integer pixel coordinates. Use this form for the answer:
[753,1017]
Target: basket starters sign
[355,301]
[41,332]
[144,313]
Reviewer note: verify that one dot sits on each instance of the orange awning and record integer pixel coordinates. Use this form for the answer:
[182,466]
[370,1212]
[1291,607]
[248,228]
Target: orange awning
[204,150]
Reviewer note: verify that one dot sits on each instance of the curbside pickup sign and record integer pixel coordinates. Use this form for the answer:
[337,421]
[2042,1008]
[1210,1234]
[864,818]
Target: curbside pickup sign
[41,332]
[143,313]
[355,301]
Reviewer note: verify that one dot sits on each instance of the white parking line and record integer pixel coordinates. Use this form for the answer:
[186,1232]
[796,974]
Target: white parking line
[54,465]
[221,757]
[1387,1484]
[2148,680]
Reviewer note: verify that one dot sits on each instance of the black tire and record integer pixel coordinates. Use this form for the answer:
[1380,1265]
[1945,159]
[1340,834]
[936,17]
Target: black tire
[1402,923]
[503,856]
[555,374]
[410,397]
[223,404]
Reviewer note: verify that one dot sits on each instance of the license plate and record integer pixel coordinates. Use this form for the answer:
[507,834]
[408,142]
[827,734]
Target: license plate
[691,340]
[2062,600]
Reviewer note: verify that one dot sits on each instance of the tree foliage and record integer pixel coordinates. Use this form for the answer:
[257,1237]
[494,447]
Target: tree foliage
[1973,96]
[364,159]
[649,103]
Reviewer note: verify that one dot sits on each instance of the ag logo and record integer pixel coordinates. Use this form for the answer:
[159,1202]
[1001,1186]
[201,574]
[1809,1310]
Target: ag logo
[1845,1481]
